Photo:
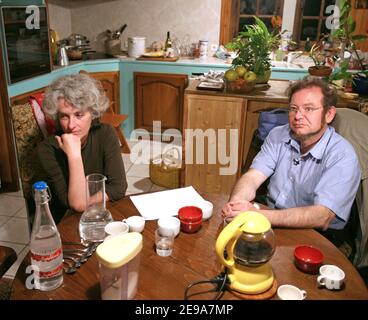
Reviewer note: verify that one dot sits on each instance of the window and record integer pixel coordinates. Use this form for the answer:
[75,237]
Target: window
[264,9]
[237,13]
[310,20]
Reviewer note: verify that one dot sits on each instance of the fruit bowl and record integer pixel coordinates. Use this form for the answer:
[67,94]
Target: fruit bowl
[239,85]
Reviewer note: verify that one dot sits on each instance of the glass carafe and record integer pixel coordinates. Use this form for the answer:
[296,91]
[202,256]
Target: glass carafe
[96,216]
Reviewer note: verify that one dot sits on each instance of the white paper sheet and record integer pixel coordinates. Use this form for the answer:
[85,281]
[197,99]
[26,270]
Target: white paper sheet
[155,205]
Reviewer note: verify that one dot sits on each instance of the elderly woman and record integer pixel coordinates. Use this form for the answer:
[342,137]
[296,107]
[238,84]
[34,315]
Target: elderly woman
[82,145]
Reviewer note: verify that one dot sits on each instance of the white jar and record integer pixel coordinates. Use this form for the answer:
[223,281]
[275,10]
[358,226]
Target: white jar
[203,48]
[136,46]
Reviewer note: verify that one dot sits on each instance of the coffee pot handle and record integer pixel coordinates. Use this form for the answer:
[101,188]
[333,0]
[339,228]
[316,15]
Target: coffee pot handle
[227,240]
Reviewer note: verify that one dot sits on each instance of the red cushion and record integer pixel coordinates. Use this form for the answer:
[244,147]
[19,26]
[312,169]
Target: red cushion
[46,124]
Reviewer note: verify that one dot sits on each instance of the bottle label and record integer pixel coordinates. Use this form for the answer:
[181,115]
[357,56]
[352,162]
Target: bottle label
[42,263]
[46,257]
[50,274]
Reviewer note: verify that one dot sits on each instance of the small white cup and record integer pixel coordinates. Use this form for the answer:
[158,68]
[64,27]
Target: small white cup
[332,277]
[289,292]
[116,227]
[169,226]
[207,210]
[135,223]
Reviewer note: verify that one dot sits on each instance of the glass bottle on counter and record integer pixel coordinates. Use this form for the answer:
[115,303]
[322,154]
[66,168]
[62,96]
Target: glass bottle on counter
[45,245]
[307,45]
[168,42]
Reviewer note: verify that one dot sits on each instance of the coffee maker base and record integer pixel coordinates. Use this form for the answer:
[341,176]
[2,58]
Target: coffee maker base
[268,294]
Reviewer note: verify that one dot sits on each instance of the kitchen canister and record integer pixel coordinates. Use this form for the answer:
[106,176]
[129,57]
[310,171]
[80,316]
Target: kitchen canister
[203,48]
[136,46]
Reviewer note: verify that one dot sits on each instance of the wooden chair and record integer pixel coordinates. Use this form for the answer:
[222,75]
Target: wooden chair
[116,120]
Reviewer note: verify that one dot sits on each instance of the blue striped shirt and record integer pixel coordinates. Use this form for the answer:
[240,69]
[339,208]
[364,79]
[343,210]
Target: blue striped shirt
[328,174]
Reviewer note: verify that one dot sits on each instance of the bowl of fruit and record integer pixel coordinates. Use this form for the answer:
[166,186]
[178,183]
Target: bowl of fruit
[239,80]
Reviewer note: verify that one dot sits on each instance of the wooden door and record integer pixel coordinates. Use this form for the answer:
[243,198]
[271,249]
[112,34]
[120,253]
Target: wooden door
[159,97]
[216,118]
[111,84]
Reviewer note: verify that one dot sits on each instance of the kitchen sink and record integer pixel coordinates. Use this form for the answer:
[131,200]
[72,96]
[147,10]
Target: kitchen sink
[302,62]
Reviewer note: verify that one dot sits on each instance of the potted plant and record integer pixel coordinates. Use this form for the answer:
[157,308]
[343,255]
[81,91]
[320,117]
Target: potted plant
[253,47]
[345,35]
[319,57]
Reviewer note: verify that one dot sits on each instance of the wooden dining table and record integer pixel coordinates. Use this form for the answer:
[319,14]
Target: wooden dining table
[193,259]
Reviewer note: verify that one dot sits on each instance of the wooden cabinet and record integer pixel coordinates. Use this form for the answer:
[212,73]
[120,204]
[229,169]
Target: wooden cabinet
[254,108]
[360,17]
[159,97]
[214,126]
[111,84]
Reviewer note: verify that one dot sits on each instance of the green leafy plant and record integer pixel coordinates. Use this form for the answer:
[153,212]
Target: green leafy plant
[253,47]
[345,34]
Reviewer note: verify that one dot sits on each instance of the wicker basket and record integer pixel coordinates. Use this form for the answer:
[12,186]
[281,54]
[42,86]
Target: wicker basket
[164,170]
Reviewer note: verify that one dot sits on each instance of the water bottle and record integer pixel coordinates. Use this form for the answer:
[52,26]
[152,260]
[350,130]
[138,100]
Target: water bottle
[45,246]
[93,221]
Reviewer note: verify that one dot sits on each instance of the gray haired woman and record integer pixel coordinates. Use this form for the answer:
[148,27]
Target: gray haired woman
[82,145]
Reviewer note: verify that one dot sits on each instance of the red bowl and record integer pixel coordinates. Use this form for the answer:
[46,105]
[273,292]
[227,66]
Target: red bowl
[190,218]
[308,259]
[189,227]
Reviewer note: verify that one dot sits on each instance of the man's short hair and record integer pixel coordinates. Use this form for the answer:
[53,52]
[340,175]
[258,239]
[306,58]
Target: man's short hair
[328,92]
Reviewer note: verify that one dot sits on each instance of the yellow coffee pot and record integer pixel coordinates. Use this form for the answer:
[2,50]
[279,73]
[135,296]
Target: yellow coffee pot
[244,247]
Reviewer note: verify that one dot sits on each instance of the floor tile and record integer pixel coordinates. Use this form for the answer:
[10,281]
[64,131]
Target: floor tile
[3,220]
[18,194]
[138,170]
[127,162]
[15,230]
[138,185]
[22,213]
[155,188]
[9,205]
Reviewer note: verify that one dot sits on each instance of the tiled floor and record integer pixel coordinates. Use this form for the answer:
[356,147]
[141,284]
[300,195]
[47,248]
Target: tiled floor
[13,215]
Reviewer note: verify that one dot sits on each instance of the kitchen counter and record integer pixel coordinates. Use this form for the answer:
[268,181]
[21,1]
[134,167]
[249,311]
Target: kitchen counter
[127,66]
[275,90]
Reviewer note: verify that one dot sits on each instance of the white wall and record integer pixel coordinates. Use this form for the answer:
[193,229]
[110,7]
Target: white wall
[288,15]
[187,20]
[60,17]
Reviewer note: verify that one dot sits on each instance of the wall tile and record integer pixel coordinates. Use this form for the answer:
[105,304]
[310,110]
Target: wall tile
[190,19]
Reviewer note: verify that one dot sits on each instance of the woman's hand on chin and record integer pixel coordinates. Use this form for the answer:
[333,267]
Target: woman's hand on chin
[70,144]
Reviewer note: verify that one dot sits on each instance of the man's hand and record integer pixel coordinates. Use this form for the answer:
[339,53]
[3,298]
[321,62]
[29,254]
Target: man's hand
[70,144]
[233,208]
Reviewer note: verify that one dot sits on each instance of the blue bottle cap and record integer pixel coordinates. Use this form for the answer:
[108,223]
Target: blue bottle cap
[40,185]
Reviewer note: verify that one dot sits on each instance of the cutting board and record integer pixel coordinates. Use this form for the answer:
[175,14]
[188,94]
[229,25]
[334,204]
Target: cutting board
[172,59]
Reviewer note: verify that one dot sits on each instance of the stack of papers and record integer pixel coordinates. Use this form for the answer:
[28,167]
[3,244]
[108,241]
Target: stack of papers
[155,205]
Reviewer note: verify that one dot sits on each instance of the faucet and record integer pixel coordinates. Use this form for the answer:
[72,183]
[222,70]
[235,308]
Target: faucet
[292,56]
